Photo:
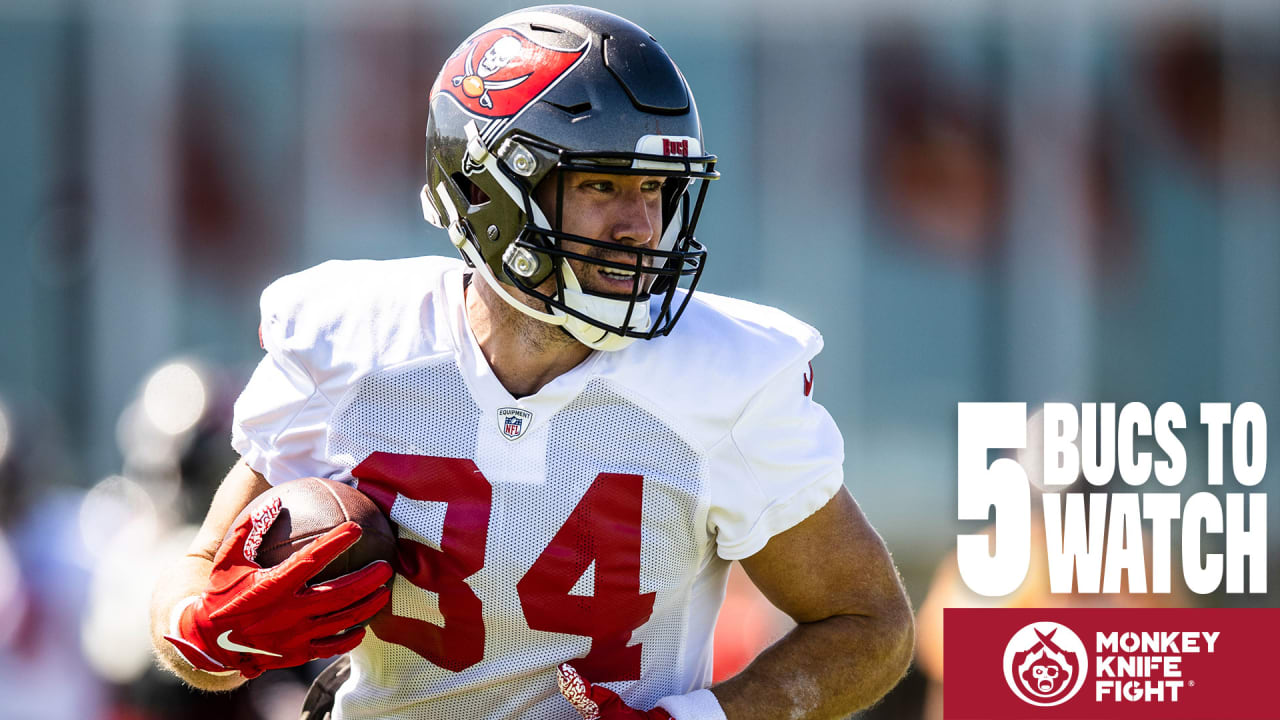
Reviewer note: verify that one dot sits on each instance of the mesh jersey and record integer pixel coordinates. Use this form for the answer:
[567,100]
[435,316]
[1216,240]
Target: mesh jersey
[594,519]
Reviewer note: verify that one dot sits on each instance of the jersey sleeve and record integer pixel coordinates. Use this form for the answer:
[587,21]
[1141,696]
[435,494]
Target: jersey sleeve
[781,462]
[279,423]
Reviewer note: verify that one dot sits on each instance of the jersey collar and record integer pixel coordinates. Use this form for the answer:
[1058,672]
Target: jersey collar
[486,390]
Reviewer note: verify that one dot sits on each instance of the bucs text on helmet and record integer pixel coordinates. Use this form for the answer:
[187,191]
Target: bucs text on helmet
[566,88]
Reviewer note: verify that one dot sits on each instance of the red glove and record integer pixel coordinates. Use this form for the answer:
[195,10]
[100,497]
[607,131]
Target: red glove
[594,702]
[251,619]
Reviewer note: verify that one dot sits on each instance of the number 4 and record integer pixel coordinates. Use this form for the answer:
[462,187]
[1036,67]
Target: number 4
[603,529]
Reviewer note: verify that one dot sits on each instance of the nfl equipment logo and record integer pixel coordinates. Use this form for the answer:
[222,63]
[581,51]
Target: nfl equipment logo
[513,422]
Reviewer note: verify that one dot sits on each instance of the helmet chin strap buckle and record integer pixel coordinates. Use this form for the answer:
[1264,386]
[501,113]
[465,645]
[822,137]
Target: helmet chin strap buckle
[459,229]
[460,232]
[476,149]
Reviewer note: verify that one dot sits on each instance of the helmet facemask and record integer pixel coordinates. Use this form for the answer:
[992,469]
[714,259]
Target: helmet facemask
[653,304]
[667,272]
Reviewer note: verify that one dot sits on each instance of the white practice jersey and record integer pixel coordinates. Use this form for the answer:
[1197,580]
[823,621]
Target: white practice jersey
[591,522]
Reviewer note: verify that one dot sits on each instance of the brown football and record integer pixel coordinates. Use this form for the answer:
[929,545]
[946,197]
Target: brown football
[310,507]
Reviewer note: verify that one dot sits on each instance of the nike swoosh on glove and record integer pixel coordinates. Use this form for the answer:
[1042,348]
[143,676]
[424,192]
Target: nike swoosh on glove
[594,702]
[250,619]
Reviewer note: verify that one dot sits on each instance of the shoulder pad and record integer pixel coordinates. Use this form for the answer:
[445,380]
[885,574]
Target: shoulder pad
[348,311]
[720,355]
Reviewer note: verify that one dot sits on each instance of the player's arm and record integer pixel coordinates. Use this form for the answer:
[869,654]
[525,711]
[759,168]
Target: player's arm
[189,575]
[833,575]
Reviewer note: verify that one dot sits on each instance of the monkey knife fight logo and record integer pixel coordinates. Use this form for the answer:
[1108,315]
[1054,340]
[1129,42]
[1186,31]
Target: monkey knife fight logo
[1045,664]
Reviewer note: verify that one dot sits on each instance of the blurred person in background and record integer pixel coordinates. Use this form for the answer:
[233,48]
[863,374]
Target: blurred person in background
[577,235]
[936,161]
[172,436]
[44,569]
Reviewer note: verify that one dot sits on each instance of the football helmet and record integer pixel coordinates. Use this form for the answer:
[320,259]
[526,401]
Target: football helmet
[557,88]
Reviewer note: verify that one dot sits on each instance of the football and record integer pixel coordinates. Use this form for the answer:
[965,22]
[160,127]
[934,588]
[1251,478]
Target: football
[310,507]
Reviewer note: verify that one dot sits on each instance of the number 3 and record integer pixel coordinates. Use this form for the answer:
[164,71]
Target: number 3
[604,528]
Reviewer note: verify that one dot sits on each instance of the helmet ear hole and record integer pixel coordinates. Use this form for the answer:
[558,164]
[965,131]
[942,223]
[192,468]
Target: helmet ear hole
[475,195]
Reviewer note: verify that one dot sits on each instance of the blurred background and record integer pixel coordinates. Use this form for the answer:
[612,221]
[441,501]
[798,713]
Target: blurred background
[1069,200]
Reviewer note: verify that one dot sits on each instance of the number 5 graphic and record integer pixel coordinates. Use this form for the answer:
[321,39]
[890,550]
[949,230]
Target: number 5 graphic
[603,528]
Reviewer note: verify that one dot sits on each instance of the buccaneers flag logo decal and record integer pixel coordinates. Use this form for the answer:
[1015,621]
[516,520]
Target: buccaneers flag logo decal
[496,73]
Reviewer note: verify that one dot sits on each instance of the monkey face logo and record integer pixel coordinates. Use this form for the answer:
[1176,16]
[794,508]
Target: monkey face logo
[1046,675]
[497,73]
[1045,664]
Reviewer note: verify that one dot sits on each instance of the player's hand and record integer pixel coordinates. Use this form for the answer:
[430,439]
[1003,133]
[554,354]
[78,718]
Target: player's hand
[251,619]
[599,703]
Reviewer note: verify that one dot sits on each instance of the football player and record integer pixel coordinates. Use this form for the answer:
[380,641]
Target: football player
[573,443]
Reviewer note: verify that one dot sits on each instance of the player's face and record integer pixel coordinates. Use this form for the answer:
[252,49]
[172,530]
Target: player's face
[622,209]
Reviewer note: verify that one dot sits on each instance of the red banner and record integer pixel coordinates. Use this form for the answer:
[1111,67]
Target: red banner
[1102,663]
